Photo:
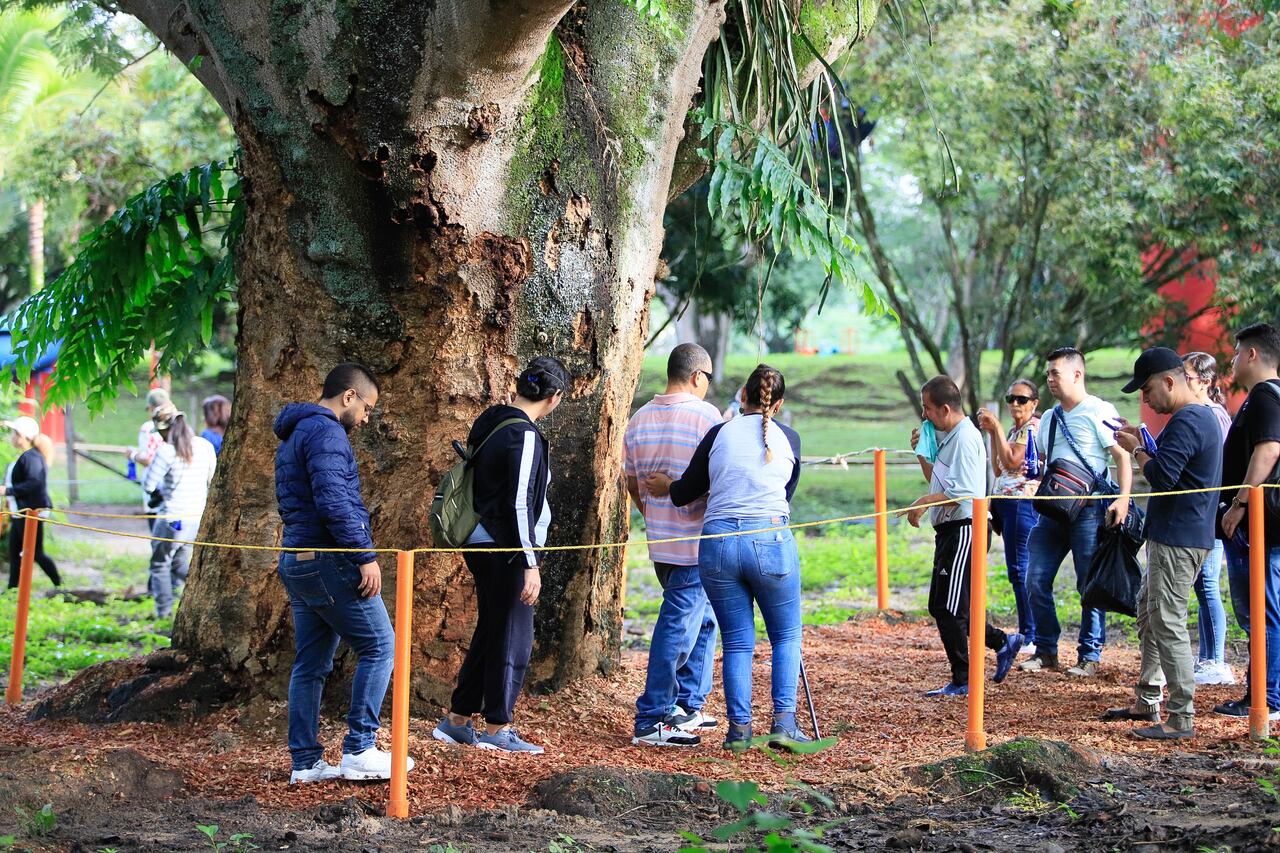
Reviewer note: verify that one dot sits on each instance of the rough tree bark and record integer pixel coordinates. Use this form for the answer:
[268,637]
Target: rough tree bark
[440,190]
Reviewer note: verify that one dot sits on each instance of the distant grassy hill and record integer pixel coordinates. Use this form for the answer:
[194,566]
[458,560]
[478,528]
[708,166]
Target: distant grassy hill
[845,403]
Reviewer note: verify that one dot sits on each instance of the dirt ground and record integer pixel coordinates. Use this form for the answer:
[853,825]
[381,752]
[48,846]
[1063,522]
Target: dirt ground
[147,786]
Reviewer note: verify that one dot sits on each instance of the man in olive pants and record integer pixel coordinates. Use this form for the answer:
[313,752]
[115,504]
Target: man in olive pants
[1180,531]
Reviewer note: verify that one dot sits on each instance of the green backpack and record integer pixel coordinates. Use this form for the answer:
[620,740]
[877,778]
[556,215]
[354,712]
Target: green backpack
[453,513]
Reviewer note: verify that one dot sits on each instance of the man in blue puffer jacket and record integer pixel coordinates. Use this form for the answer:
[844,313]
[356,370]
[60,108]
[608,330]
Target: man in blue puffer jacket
[334,596]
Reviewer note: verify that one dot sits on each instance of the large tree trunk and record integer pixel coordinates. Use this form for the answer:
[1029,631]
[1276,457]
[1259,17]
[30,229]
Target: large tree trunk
[442,200]
[440,191]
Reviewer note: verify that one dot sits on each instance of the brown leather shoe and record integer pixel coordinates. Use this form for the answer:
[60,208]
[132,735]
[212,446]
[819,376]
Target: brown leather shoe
[1162,731]
[1115,715]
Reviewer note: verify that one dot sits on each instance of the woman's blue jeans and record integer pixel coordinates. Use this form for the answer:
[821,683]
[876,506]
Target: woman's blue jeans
[737,572]
[1017,518]
[1212,621]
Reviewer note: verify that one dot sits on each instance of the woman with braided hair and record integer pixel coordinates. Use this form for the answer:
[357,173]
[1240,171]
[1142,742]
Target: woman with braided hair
[748,469]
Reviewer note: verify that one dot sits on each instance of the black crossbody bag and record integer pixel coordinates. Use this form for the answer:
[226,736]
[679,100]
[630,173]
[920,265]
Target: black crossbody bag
[1064,480]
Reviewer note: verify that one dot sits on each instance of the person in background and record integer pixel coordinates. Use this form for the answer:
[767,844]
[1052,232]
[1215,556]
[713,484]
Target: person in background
[148,443]
[1081,418]
[957,474]
[26,487]
[179,476]
[1017,517]
[734,409]
[663,435]
[512,468]
[1249,456]
[217,414]
[1211,624]
[334,595]
[748,474]
[1179,533]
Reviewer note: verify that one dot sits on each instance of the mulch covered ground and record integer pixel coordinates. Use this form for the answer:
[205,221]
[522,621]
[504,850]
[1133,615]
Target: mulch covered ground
[867,675]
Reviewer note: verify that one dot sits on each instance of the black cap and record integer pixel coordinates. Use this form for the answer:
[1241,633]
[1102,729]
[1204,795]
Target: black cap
[1152,361]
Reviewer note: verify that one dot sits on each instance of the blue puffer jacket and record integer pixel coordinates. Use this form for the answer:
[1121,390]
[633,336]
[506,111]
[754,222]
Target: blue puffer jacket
[317,484]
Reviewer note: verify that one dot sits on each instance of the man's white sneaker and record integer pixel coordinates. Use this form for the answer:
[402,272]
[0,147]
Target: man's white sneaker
[321,771]
[661,734]
[1027,650]
[691,721]
[373,763]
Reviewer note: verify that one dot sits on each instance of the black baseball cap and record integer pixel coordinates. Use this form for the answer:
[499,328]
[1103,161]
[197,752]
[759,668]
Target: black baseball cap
[1152,361]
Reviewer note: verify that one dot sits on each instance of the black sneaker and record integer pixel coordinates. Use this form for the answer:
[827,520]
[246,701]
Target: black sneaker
[662,734]
[780,737]
[1233,708]
[739,738]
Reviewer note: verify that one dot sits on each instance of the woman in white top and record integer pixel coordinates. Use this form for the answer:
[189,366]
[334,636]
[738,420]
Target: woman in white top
[1008,461]
[177,484]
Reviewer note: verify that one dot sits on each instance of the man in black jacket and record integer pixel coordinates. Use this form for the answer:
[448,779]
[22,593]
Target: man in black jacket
[334,595]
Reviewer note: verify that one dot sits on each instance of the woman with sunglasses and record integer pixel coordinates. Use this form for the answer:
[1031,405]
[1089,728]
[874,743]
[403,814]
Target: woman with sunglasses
[1211,624]
[1016,518]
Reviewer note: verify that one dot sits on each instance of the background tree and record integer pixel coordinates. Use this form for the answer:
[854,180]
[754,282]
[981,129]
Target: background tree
[442,191]
[1044,148]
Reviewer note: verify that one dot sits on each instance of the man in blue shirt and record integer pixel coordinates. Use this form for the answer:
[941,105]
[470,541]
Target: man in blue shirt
[1180,532]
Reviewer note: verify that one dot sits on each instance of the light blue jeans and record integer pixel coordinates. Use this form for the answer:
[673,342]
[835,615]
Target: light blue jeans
[737,572]
[1212,621]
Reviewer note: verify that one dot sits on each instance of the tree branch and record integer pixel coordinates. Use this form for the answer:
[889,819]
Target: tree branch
[179,31]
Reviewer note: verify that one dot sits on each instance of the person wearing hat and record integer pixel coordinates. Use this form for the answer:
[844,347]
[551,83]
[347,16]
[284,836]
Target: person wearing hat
[26,487]
[149,441]
[177,481]
[1179,532]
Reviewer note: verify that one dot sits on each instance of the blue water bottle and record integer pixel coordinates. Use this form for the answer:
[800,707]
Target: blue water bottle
[1148,443]
[132,472]
[1033,455]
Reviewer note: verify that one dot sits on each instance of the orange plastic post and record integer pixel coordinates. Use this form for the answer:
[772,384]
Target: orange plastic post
[1259,728]
[974,737]
[882,534]
[398,804]
[14,694]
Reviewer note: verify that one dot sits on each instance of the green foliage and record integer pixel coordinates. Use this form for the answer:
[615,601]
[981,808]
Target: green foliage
[776,831]
[761,109]
[39,822]
[658,13]
[1083,136]
[152,273]
[64,637]
[236,841]
[563,843]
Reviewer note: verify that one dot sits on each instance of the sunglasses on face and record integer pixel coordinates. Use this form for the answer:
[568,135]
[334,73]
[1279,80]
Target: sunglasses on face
[1020,399]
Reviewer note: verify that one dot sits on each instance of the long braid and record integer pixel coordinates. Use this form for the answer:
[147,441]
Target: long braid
[766,400]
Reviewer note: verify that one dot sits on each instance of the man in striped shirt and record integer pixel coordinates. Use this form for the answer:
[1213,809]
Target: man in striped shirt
[662,437]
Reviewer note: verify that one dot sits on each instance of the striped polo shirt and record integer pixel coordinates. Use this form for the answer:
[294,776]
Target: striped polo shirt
[660,439]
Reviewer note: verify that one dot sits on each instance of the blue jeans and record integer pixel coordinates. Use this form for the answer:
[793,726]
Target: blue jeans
[1017,518]
[1238,577]
[763,568]
[1049,545]
[682,652]
[328,608]
[1212,621]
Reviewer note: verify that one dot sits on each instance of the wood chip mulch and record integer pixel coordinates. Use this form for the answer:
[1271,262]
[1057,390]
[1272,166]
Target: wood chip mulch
[868,677]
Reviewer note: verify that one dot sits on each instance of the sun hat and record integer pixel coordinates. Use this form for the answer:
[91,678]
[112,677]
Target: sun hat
[24,426]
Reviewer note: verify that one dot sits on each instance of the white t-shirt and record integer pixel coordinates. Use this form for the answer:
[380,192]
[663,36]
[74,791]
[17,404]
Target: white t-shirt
[185,485]
[1093,437]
